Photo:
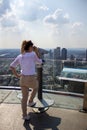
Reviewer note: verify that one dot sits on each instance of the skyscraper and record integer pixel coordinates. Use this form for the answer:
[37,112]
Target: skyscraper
[64,54]
[57,53]
[86,54]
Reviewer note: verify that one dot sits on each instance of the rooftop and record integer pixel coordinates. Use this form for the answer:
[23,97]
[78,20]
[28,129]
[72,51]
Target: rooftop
[63,115]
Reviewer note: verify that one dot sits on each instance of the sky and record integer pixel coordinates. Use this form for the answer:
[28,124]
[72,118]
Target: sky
[48,23]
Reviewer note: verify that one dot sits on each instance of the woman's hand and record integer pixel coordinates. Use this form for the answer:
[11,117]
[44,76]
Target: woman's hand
[15,72]
[18,75]
[35,49]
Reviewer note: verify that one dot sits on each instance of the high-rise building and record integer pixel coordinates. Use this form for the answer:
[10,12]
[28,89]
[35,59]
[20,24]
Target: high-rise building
[64,54]
[86,54]
[50,54]
[57,53]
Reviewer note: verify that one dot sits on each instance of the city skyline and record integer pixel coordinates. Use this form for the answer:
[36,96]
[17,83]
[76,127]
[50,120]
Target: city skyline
[49,24]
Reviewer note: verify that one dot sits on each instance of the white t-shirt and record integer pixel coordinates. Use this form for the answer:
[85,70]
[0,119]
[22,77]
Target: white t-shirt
[27,62]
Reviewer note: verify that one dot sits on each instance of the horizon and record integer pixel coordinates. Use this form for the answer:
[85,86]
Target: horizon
[46,48]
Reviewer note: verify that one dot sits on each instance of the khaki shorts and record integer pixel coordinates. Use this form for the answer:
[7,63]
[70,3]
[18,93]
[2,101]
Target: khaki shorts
[29,81]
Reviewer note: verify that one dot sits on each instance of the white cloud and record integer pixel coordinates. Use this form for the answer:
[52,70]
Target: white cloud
[62,30]
[4,7]
[57,18]
[12,12]
[77,28]
[57,23]
[7,20]
[45,8]
[1,1]
[28,10]
[76,25]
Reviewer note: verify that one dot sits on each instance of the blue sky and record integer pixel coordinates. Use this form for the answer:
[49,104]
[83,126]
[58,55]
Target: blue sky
[48,23]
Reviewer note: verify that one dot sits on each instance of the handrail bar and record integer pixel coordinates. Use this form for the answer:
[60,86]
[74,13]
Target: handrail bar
[46,91]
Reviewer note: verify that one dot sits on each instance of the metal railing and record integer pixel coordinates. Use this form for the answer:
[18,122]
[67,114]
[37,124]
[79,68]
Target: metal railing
[51,71]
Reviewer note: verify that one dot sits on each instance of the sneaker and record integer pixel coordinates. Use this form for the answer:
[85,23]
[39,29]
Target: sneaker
[31,104]
[26,117]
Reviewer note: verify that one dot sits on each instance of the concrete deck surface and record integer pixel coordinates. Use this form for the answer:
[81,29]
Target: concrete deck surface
[53,119]
[61,101]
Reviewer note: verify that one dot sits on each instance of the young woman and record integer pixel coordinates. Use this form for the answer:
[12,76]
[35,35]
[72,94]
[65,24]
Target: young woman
[27,60]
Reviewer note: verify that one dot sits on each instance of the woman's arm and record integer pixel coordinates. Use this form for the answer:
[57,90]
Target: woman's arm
[15,72]
[13,66]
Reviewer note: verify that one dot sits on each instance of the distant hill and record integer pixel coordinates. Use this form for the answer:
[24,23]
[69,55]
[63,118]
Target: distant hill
[12,53]
[9,53]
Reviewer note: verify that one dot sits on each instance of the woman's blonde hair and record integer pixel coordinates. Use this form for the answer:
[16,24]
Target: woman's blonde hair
[22,46]
[25,45]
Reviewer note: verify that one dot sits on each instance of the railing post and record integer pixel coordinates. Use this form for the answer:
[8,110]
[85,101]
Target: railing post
[85,98]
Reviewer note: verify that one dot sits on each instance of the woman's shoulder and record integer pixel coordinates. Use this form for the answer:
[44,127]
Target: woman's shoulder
[31,53]
[20,55]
